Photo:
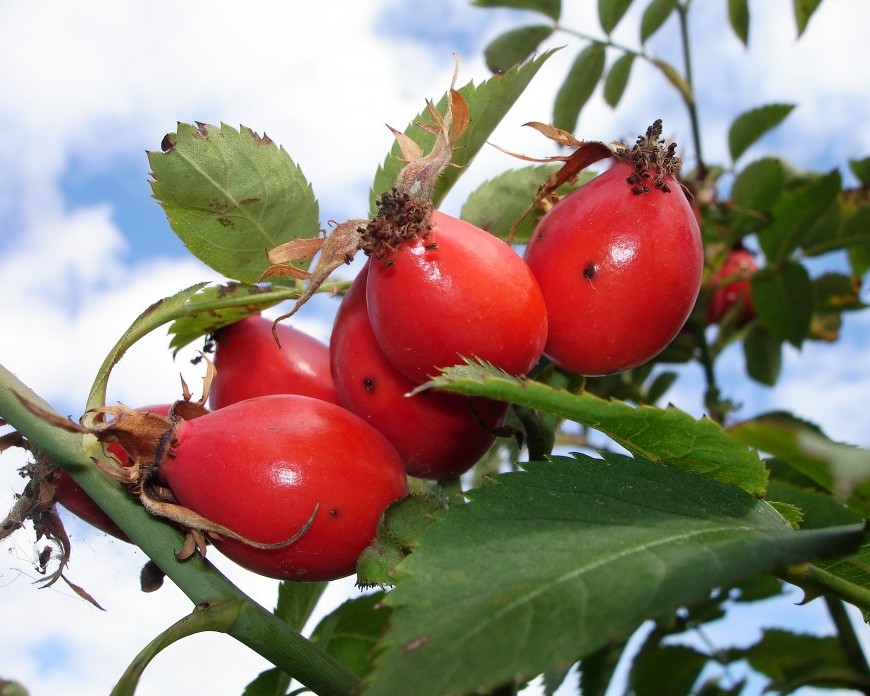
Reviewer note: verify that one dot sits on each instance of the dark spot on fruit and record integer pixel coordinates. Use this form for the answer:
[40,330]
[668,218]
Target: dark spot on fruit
[368,384]
[333,512]
[590,270]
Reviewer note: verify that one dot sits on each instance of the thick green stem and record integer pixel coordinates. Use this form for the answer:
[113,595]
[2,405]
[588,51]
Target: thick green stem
[196,577]
[817,581]
[847,637]
[691,104]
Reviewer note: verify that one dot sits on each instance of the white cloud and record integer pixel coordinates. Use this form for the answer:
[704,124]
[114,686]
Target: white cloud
[95,81]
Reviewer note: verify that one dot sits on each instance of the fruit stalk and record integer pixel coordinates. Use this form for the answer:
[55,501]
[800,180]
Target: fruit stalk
[197,578]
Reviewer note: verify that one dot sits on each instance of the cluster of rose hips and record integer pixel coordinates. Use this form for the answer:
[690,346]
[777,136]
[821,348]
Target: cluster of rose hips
[305,445]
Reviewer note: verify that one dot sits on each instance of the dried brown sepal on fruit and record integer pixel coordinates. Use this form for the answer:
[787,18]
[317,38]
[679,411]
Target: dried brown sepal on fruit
[648,152]
[402,213]
[336,248]
[148,439]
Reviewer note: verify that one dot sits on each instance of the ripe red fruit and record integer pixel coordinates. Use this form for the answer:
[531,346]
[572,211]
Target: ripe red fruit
[73,497]
[261,466]
[248,363]
[620,271]
[438,436]
[731,286]
[455,292]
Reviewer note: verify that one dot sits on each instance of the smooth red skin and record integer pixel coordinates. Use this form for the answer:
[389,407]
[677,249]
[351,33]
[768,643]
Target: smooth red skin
[724,297]
[647,257]
[261,466]
[438,436]
[249,363]
[470,297]
[73,497]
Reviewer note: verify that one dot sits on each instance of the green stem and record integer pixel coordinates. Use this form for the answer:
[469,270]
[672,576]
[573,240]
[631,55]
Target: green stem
[816,581]
[847,637]
[196,577]
[691,104]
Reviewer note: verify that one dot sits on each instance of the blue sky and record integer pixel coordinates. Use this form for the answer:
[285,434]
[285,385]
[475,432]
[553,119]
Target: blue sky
[89,87]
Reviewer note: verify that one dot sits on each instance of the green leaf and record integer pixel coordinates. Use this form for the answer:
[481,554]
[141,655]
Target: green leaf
[271,682]
[551,563]
[837,292]
[514,46]
[598,668]
[584,74]
[783,300]
[487,105]
[756,189]
[657,434]
[551,8]
[854,234]
[738,16]
[803,10]
[751,125]
[861,169]
[610,12]
[654,16]
[763,354]
[797,214]
[666,669]
[217,306]
[350,633]
[791,660]
[497,204]
[617,79]
[297,600]
[673,76]
[231,195]
[838,468]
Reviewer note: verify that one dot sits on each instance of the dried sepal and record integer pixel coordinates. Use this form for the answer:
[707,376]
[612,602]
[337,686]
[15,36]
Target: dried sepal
[160,502]
[337,248]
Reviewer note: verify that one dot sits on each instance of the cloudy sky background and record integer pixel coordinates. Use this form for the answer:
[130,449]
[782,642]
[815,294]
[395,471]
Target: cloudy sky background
[87,88]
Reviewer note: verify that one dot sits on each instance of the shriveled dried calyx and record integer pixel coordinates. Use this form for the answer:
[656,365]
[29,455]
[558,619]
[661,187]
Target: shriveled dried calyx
[403,212]
[148,439]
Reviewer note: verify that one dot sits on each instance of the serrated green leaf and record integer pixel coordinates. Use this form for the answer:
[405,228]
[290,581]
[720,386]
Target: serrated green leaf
[551,8]
[514,46]
[819,510]
[551,563]
[783,301]
[668,434]
[666,669]
[749,126]
[577,88]
[797,214]
[231,195]
[617,79]
[673,76]
[487,105]
[350,633]
[654,16]
[216,306]
[610,12]
[498,203]
[838,468]
[861,169]
[738,16]
[854,235]
[763,354]
[803,10]
[790,660]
